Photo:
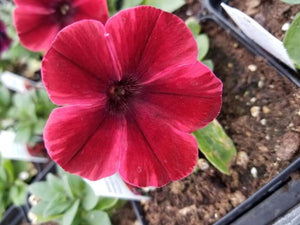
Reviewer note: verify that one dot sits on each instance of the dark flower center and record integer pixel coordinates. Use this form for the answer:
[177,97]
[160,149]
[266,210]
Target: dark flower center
[63,12]
[120,95]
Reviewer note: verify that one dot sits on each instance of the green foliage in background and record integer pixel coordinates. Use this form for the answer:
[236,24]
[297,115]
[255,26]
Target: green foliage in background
[29,114]
[202,41]
[5,104]
[166,5]
[13,186]
[68,200]
[292,41]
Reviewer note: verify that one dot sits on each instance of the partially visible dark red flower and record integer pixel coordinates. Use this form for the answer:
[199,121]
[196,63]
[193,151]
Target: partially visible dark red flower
[38,21]
[134,92]
[4,39]
[37,150]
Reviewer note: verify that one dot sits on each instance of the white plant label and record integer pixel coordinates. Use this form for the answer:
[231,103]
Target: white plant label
[17,83]
[11,150]
[114,187]
[259,35]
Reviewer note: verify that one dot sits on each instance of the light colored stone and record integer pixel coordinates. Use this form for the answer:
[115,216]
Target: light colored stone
[252,67]
[265,109]
[252,100]
[242,159]
[285,26]
[237,198]
[263,122]
[202,164]
[255,110]
[253,171]
[261,84]
[188,209]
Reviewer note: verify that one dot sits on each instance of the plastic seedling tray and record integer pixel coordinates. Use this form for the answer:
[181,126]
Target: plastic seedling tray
[13,216]
[213,10]
[269,203]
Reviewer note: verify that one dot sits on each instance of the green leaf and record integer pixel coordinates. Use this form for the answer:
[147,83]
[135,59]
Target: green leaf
[56,183]
[194,26]
[209,63]
[293,2]
[97,217]
[43,190]
[39,208]
[4,97]
[214,143]
[56,206]
[130,3]
[8,170]
[106,203]
[166,5]
[17,194]
[203,46]
[89,200]
[292,41]
[69,216]
[74,185]
[23,133]
[112,7]
[39,127]
[21,166]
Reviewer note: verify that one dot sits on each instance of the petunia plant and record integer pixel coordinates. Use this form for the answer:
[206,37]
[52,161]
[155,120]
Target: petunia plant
[131,89]
[130,109]
[68,200]
[28,115]
[37,22]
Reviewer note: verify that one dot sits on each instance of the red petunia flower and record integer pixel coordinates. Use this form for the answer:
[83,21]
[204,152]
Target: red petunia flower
[38,21]
[5,41]
[134,92]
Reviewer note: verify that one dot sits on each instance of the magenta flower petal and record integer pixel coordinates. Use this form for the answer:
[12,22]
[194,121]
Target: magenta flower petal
[37,22]
[78,76]
[191,85]
[94,150]
[148,41]
[136,92]
[156,154]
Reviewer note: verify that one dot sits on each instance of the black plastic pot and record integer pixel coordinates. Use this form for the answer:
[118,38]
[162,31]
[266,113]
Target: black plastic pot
[13,216]
[270,203]
[212,10]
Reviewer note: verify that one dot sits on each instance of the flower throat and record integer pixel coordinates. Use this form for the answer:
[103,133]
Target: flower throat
[120,94]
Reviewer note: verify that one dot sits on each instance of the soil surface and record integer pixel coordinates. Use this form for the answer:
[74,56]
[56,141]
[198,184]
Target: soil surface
[124,216]
[260,112]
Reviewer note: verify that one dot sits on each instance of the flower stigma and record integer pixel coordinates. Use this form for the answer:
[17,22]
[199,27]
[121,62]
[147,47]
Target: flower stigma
[64,9]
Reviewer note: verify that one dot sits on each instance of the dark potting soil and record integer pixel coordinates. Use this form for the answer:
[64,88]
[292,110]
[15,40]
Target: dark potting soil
[261,113]
[124,216]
